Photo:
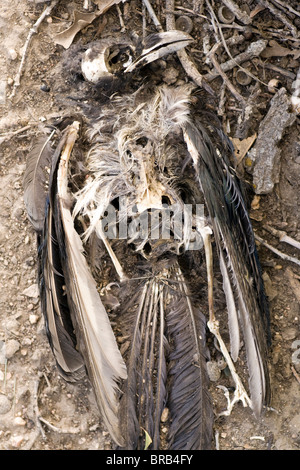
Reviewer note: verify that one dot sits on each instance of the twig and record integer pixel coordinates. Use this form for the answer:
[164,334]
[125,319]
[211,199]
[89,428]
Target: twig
[288,7]
[8,135]
[235,61]
[241,15]
[280,16]
[226,80]
[40,419]
[32,31]
[277,252]
[37,411]
[276,68]
[217,440]
[186,62]
[153,15]
[59,430]
[297,376]
[253,50]
[121,19]
[198,6]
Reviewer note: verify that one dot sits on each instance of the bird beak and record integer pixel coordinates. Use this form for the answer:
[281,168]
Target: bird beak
[158,45]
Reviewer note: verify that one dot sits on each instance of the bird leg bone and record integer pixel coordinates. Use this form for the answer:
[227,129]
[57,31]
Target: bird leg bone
[111,253]
[240,393]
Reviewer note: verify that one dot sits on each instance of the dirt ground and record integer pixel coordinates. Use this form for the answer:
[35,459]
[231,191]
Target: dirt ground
[38,409]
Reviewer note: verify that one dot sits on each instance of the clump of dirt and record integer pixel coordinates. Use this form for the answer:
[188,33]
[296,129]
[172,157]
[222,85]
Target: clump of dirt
[38,409]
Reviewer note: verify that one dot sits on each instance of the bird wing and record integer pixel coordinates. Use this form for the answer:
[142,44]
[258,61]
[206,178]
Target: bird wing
[242,282]
[70,299]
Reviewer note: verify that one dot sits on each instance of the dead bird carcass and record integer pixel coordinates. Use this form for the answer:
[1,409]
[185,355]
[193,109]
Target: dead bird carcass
[138,187]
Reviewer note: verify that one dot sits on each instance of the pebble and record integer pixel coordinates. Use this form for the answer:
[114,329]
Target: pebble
[282,443]
[16,441]
[31,291]
[170,76]
[164,415]
[14,260]
[33,319]
[12,324]
[12,54]
[18,421]
[289,333]
[213,371]
[5,404]
[295,423]
[11,347]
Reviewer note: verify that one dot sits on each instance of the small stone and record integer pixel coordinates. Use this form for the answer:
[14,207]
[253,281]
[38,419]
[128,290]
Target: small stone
[164,415]
[18,421]
[33,319]
[12,54]
[213,371]
[170,75]
[12,324]
[289,333]
[44,87]
[16,441]
[5,404]
[295,423]
[11,347]
[31,291]
[30,261]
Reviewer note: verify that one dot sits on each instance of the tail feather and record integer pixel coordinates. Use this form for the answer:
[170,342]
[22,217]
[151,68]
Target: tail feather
[166,369]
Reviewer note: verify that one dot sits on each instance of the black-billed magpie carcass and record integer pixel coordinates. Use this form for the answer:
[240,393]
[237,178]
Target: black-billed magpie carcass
[139,201]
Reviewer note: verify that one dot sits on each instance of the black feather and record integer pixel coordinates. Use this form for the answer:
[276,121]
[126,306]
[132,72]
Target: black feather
[36,180]
[189,399]
[235,242]
[166,368]
[52,283]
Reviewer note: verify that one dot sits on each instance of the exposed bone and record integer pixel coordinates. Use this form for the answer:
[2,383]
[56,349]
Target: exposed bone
[240,393]
[111,253]
[283,237]
[277,252]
